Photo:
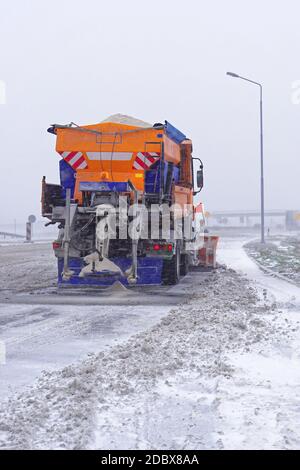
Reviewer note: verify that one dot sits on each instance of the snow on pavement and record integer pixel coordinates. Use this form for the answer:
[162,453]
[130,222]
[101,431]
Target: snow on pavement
[26,266]
[50,337]
[43,329]
[262,403]
[218,371]
[233,255]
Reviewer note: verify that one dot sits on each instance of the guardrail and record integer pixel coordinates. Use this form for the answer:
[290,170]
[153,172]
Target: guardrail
[11,235]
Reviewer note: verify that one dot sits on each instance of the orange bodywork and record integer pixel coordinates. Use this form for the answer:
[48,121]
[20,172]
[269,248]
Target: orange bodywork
[183,196]
[110,150]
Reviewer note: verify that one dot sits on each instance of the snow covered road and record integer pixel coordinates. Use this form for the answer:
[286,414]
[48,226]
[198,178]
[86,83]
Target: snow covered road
[262,404]
[44,329]
[218,369]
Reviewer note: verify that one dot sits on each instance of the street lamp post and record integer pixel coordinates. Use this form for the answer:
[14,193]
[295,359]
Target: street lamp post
[262,196]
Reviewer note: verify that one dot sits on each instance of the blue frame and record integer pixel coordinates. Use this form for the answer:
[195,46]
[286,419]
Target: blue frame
[149,272]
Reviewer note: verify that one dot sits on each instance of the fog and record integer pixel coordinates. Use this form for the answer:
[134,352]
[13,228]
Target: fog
[64,61]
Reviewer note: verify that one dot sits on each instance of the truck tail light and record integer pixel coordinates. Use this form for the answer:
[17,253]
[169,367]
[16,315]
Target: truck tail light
[167,247]
[56,245]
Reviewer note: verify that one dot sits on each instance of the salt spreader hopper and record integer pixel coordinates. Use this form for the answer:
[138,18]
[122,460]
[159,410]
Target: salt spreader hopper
[125,203]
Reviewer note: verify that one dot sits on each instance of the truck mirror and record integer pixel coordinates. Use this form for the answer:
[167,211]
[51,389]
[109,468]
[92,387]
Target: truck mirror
[200,178]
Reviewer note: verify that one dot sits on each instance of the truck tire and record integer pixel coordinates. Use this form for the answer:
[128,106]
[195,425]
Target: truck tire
[184,265]
[171,269]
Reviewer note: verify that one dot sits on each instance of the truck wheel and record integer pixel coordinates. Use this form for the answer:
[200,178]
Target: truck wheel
[184,265]
[171,269]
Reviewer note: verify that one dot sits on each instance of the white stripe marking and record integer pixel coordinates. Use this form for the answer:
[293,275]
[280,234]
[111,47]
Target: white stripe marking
[137,166]
[107,156]
[145,159]
[82,166]
[75,158]
[142,157]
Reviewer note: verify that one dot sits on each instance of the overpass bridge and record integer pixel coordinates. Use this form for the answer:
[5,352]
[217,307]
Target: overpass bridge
[268,213]
[288,218]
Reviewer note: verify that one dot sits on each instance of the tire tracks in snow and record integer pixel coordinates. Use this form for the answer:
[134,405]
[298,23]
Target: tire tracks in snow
[160,389]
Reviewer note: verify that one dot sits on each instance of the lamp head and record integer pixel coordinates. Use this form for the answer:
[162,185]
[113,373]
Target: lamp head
[234,75]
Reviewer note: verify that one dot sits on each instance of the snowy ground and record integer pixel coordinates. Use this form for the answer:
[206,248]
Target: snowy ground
[281,255]
[217,369]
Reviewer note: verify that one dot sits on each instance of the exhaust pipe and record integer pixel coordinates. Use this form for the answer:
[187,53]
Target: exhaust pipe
[66,243]
[131,273]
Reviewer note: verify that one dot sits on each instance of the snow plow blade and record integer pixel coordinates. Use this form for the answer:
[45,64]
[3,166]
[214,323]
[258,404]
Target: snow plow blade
[207,255]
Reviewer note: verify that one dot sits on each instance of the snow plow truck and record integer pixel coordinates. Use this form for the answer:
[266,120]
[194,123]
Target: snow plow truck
[124,206]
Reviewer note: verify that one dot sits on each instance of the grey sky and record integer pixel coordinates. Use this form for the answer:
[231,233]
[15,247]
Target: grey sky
[78,61]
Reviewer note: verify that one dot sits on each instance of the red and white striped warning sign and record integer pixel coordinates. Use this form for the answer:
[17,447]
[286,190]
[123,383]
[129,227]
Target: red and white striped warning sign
[144,160]
[75,159]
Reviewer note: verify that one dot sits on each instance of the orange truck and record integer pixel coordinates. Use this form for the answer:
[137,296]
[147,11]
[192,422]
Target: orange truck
[124,205]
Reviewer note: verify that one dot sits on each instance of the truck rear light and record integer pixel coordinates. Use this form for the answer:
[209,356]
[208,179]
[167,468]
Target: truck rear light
[56,245]
[167,247]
